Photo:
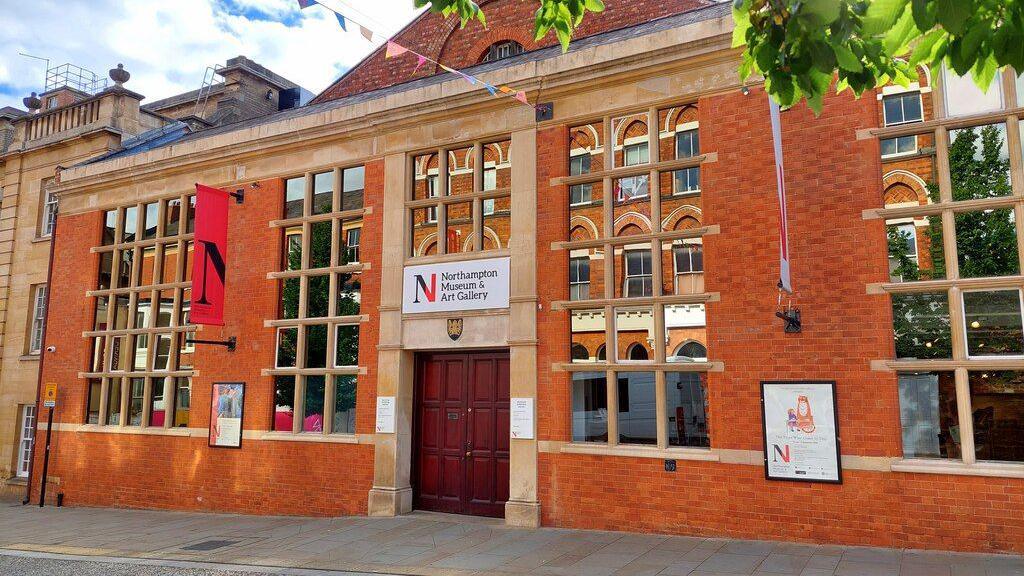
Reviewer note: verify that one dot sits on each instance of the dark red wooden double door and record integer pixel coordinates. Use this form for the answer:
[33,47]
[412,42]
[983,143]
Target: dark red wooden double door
[462,433]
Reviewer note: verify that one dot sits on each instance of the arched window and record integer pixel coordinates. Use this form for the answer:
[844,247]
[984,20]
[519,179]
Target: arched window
[579,352]
[503,49]
[637,352]
[693,351]
[601,355]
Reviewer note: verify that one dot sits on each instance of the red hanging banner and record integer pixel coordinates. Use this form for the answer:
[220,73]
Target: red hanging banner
[208,265]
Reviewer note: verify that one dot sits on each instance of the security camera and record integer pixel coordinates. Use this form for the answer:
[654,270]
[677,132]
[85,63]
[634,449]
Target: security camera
[51,348]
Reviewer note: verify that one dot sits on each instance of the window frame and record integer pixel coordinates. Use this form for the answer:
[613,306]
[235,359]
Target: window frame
[26,439]
[343,221]
[574,271]
[37,319]
[48,207]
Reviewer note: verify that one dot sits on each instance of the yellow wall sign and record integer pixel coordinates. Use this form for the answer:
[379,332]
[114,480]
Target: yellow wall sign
[50,395]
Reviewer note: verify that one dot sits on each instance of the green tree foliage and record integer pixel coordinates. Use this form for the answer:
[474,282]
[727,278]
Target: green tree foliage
[562,16]
[797,45]
[986,243]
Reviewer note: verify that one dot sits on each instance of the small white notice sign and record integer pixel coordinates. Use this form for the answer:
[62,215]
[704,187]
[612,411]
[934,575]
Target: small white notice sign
[385,414]
[521,419]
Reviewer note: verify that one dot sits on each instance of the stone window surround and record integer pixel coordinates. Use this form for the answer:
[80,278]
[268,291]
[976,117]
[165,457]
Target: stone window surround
[609,242]
[954,286]
[107,375]
[335,267]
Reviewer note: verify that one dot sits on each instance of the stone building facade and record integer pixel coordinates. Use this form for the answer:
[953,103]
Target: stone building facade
[641,219]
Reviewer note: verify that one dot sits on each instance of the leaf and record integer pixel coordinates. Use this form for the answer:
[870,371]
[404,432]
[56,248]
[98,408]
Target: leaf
[824,11]
[984,72]
[846,58]
[900,35]
[972,39]
[926,46]
[952,14]
[741,18]
[594,5]
[881,15]
[924,13]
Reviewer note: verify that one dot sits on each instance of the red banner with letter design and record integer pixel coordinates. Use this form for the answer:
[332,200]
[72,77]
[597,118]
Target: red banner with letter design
[208,266]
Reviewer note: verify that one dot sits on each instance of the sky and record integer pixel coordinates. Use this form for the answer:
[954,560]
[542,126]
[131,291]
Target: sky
[167,46]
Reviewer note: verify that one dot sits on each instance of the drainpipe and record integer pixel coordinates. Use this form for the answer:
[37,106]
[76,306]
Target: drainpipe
[42,353]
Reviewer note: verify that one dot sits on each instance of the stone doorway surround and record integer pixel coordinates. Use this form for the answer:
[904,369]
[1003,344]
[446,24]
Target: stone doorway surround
[401,336]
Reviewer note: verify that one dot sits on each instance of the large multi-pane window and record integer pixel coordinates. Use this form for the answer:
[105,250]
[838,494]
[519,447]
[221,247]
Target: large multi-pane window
[47,208]
[37,323]
[467,211]
[316,357]
[953,218]
[628,246]
[140,367]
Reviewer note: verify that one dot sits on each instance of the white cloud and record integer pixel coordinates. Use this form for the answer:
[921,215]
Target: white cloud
[167,46]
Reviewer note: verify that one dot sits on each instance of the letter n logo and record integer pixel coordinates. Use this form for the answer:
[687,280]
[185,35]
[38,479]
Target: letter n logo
[211,255]
[780,452]
[430,293]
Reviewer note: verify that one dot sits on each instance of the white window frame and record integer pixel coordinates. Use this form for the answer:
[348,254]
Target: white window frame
[963,317]
[901,96]
[350,246]
[574,284]
[48,218]
[26,439]
[37,324]
[675,263]
[897,153]
[626,276]
[642,150]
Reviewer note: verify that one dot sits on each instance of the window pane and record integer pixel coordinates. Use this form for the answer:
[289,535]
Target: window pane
[921,325]
[686,406]
[93,407]
[109,226]
[190,222]
[347,345]
[106,270]
[963,97]
[347,301]
[318,292]
[631,139]
[634,333]
[638,414]
[287,340]
[158,404]
[997,399]
[351,238]
[292,254]
[586,211]
[424,232]
[589,407]
[323,192]
[316,346]
[320,245]
[685,325]
[138,390]
[352,182]
[290,298]
[686,181]
[497,222]
[152,219]
[915,249]
[579,277]
[172,217]
[986,243]
[497,165]
[425,177]
[637,279]
[460,171]
[141,357]
[161,360]
[131,223]
[928,414]
[631,188]
[893,109]
[979,162]
[313,405]
[683,267]
[588,335]
[460,228]
[587,140]
[993,323]
[344,405]
[284,401]
[294,195]
[114,402]
[182,401]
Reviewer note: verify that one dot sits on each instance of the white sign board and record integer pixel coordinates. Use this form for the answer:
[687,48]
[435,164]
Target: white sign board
[385,414]
[801,434]
[521,420]
[455,286]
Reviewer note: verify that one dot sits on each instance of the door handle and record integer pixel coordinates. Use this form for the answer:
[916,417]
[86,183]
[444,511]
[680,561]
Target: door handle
[468,454]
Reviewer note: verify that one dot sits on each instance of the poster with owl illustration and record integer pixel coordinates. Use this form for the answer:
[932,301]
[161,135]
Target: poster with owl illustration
[801,431]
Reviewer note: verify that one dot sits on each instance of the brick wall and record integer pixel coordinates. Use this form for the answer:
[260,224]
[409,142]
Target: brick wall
[831,178]
[154,471]
[443,40]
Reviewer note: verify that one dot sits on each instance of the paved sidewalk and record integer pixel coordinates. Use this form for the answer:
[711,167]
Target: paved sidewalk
[443,545]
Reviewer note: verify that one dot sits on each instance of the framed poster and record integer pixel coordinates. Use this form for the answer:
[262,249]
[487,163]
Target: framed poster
[800,421]
[226,408]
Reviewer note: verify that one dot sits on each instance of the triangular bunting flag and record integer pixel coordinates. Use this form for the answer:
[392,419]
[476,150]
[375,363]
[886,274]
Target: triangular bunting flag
[491,89]
[341,20]
[420,61]
[468,78]
[394,49]
[445,68]
[366,32]
[306,3]
[521,96]
[506,90]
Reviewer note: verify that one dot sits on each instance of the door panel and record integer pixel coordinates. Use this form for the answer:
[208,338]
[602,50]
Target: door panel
[461,461]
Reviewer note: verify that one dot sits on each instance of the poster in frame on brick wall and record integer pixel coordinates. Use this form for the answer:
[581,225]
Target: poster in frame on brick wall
[227,406]
[800,422]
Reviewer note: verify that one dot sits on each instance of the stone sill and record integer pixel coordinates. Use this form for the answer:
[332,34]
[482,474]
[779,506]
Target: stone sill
[304,437]
[988,469]
[29,358]
[640,452]
[16,481]
[41,239]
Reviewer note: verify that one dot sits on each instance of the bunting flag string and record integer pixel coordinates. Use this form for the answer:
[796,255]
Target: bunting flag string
[394,50]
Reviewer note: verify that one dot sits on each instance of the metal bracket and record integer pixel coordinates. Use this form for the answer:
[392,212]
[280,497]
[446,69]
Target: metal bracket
[792,319]
[230,343]
[238,195]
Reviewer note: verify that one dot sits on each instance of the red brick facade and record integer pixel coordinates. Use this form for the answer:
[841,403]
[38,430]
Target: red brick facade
[456,47]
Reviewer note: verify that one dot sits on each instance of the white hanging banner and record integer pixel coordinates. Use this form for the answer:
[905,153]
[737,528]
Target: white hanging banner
[780,180]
